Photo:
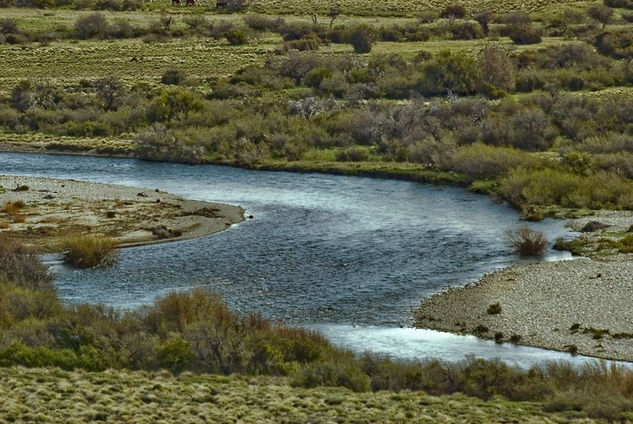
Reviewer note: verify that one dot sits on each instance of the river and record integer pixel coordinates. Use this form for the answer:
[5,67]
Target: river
[348,256]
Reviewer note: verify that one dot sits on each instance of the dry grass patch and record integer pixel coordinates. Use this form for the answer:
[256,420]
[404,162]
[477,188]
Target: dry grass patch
[526,242]
[87,251]
[53,395]
[13,208]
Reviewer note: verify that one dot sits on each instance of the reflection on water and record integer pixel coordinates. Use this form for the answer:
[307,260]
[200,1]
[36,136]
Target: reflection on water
[408,343]
[322,249]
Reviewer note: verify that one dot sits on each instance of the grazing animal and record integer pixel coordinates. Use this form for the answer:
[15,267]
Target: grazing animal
[190,2]
[176,2]
[221,3]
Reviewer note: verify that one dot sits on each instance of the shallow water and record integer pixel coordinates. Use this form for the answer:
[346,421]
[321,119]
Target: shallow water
[343,253]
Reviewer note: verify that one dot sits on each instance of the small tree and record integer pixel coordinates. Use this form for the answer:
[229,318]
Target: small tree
[172,103]
[333,13]
[453,12]
[109,90]
[497,68]
[483,18]
[602,14]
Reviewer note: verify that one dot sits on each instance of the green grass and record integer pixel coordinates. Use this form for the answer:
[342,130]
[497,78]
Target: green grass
[132,60]
[52,395]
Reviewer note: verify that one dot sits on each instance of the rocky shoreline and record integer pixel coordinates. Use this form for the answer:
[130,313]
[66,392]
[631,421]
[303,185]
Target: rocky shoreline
[581,306]
[39,211]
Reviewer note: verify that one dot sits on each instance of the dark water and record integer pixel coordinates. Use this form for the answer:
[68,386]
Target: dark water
[322,249]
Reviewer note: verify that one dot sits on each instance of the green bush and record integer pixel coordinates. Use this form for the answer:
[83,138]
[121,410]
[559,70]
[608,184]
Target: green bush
[22,268]
[236,37]
[173,77]
[524,35]
[485,161]
[549,187]
[352,154]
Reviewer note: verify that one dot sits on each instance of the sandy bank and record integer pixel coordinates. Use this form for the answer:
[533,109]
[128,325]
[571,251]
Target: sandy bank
[582,305]
[131,216]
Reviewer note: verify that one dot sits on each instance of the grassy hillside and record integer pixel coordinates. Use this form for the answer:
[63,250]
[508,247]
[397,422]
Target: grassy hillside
[51,395]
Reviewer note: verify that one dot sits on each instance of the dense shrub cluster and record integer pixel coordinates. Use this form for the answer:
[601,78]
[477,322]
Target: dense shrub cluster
[336,105]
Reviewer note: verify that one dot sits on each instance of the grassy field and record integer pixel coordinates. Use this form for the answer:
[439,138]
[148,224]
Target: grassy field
[132,60]
[404,8]
[51,395]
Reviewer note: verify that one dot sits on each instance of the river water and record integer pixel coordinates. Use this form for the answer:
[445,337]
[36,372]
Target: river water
[348,256]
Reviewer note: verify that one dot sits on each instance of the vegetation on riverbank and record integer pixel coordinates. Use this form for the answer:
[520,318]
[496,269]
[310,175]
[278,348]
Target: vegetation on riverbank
[196,332]
[150,397]
[533,109]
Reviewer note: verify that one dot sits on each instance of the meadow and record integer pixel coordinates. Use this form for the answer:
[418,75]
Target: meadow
[157,397]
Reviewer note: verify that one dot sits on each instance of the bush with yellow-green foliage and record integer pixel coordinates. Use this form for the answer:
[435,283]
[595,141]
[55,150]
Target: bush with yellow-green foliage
[87,251]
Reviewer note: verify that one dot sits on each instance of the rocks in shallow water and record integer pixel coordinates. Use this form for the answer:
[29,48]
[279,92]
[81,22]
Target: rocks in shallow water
[162,232]
[593,226]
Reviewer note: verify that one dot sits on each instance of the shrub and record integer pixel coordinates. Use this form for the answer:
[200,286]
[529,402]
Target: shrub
[8,26]
[236,37]
[626,4]
[456,72]
[305,44]
[361,37]
[494,309]
[466,31]
[23,96]
[173,77]
[352,154]
[526,242]
[498,69]
[236,5]
[91,26]
[263,22]
[19,267]
[524,35]
[485,161]
[83,251]
[196,22]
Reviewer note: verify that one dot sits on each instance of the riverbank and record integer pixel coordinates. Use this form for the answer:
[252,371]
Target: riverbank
[123,149]
[581,306]
[39,211]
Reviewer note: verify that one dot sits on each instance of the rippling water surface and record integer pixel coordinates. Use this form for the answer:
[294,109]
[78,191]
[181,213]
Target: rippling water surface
[322,250]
